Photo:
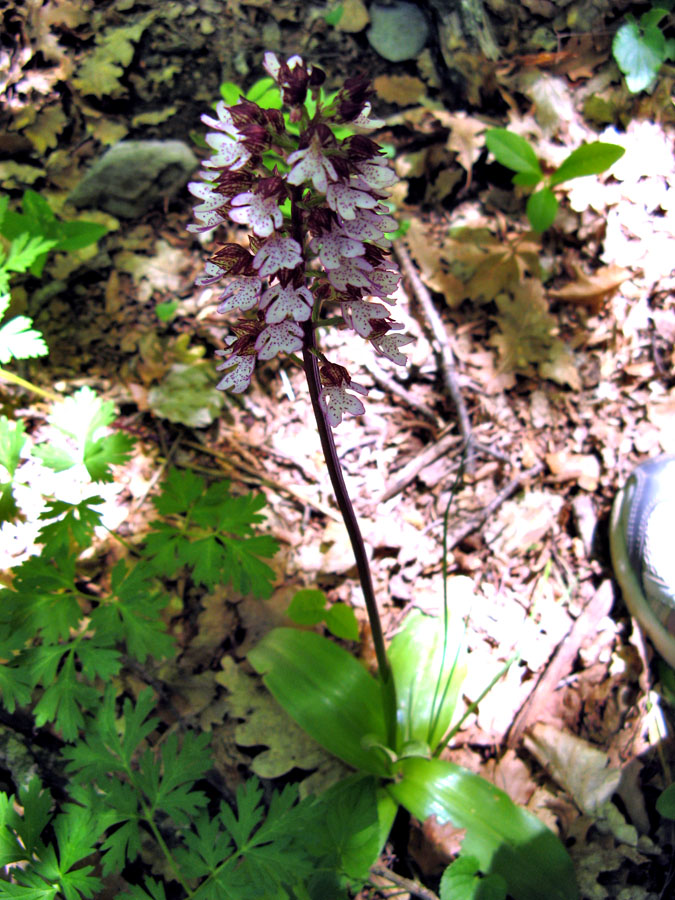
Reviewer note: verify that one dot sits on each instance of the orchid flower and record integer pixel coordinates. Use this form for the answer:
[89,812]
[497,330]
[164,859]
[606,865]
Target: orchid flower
[318,250]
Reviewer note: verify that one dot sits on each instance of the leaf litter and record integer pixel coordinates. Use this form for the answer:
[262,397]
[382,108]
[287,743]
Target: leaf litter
[585,387]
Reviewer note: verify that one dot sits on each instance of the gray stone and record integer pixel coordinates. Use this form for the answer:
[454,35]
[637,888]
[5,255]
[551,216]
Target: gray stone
[398,31]
[133,176]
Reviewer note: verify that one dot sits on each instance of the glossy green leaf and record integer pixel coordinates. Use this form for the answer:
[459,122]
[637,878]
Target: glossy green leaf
[460,881]
[505,839]
[527,179]
[512,151]
[230,92]
[327,692]
[341,621]
[426,703]
[542,207]
[308,607]
[639,50]
[589,159]
[665,803]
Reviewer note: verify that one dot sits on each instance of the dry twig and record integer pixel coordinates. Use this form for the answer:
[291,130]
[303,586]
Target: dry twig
[412,887]
[444,352]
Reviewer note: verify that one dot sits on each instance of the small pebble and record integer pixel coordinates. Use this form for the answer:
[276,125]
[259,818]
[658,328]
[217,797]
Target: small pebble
[398,31]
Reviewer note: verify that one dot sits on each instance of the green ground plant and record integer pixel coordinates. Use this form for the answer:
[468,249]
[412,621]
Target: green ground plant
[514,152]
[133,781]
[319,242]
[127,779]
[640,48]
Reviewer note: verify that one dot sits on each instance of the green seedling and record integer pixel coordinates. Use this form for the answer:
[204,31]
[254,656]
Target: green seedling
[515,153]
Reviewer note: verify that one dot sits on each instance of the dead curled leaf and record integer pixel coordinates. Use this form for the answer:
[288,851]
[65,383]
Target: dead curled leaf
[584,468]
[576,765]
[592,291]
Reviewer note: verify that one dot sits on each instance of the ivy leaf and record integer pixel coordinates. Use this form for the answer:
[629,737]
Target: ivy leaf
[461,881]
[640,49]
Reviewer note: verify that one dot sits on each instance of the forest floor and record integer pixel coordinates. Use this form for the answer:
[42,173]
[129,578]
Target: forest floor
[563,346]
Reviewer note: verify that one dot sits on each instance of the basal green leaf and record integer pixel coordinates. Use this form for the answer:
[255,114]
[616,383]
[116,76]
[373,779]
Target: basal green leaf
[428,678]
[512,151]
[503,837]
[589,159]
[326,691]
[542,207]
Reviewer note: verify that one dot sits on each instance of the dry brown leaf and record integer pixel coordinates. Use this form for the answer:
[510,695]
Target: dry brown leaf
[584,468]
[464,140]
[434,271]
[592,291]
[354,16]
[44,132]
[575,764]
[400,89]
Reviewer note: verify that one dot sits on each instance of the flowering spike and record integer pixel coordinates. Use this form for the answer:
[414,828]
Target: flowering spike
[318,222]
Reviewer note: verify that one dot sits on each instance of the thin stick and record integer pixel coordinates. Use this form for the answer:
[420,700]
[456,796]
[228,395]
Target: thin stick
[412,887]
[443,353]
[474,524]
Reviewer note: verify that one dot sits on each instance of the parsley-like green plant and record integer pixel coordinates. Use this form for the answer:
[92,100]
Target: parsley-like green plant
[210,531]
[127,780]
[30,236]
[517,154]
[79,438]
[316,257]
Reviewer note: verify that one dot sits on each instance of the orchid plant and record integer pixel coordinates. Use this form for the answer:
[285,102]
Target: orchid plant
[315,204]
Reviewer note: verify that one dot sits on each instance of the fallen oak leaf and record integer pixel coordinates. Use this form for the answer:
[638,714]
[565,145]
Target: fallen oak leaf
[592,291]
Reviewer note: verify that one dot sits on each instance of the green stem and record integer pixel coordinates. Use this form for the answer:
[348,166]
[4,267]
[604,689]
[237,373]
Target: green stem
[358,547]
[16,379]
[344,502]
